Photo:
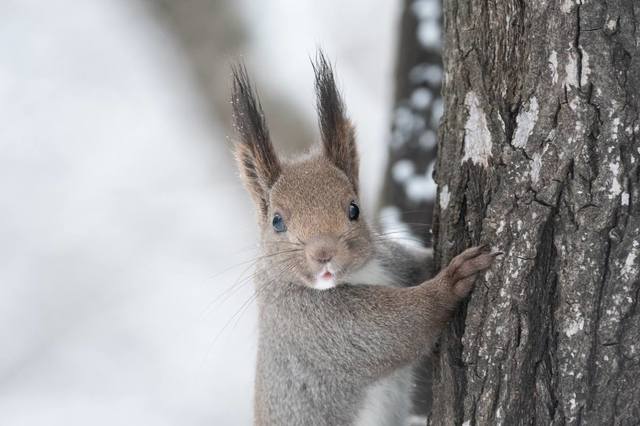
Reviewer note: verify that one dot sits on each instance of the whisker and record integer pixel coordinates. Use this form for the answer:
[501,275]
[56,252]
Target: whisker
[263,289]
[240,282]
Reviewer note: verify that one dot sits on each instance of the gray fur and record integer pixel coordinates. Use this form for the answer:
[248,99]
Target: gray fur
[319,351]
[323,355]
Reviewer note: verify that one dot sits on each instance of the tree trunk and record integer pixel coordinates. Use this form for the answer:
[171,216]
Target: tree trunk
[409,191]
[409,184]
[538,156]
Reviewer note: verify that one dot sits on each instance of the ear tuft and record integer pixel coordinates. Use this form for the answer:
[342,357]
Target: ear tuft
[336,130]
[255,154]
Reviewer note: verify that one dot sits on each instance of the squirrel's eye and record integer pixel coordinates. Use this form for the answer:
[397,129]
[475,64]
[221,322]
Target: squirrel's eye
[354,211]
[278,223]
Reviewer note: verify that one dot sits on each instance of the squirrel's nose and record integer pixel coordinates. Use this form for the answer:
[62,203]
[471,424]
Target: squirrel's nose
[321,249]
[322,256]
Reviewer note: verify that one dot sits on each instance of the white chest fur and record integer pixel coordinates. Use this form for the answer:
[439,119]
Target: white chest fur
[388,401]
[373,274]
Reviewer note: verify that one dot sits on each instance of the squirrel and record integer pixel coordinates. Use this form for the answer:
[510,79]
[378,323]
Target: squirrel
[343,312]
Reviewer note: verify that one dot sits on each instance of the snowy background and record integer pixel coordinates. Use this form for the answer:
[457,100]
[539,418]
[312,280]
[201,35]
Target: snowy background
[121,218]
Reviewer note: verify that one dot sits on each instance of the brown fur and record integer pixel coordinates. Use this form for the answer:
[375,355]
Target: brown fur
[321,351]
[255,155]
[338,134]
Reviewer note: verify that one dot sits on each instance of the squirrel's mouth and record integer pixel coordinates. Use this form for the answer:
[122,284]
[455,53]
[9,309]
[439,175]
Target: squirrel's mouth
[325,279]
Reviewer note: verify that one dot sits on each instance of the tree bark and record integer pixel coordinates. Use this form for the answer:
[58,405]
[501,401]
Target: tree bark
[538,156]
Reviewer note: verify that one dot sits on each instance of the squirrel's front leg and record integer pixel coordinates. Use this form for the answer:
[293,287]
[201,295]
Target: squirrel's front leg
[381,329]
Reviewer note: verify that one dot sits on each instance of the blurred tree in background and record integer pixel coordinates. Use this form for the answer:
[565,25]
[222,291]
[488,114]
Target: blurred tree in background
[409,191]
[213,35]
[409,186]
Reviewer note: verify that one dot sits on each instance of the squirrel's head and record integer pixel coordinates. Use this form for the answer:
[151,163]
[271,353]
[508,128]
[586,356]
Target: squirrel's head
[308,208]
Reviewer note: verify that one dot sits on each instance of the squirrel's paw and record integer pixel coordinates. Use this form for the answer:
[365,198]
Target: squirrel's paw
[462,271]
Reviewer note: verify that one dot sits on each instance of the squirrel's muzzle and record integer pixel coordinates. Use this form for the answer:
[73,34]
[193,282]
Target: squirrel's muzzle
[321,249]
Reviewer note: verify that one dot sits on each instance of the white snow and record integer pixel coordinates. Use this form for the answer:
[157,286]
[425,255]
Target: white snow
[402,170]
[404,119]
[121,215]
[525,122]
[426,9]
[421,98]
[426,73]
[428,14]
[422,187]
[436,112]
[477,139]
[405,123]
[428,34]
[428,139]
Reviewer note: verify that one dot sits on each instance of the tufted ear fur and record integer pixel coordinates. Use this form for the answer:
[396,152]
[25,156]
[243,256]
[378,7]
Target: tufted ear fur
[336,130]
[255,155]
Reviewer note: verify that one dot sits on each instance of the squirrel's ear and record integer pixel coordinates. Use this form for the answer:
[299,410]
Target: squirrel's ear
[336,130]
[255,155]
